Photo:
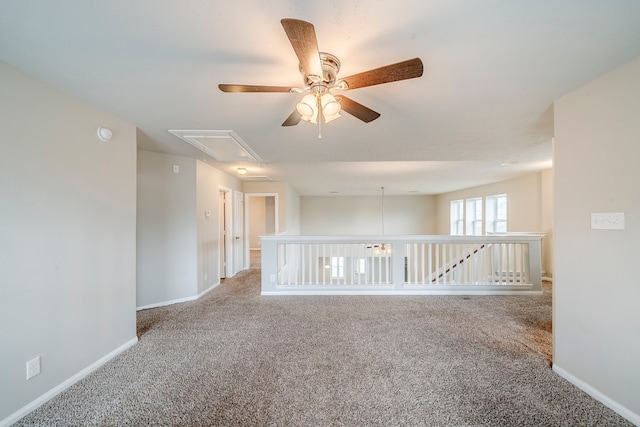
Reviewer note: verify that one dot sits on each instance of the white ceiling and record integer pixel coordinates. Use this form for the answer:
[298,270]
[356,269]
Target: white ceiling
[492,71]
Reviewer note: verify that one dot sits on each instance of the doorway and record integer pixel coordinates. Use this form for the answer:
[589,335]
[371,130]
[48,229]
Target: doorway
[225,266]
[261,218]
[238,232]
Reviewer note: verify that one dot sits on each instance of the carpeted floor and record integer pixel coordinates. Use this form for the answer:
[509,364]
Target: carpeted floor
[235,358]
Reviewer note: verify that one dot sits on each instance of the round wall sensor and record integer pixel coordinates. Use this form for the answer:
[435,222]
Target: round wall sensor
[104,134]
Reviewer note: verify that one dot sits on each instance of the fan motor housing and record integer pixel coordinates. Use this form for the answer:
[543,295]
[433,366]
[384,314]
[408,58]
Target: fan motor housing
[330,68]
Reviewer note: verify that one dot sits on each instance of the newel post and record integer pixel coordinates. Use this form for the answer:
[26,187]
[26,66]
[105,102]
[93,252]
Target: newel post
[269,264]
[535,262]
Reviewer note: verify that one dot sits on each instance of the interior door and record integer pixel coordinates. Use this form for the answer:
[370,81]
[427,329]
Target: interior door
[238,231]
[223,235]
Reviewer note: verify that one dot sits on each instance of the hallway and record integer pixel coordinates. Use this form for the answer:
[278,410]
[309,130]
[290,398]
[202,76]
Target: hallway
[255,259]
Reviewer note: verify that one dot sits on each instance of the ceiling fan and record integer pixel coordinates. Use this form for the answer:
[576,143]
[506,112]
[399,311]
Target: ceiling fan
[319,71]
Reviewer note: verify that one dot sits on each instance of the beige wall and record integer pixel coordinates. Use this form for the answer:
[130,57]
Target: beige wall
[529,207]
[524,202]
[327,215]
[288,203]
[209,181]
[596,321]
[546,220]
[256,221]
[178,245]
[67,238]
[166,232]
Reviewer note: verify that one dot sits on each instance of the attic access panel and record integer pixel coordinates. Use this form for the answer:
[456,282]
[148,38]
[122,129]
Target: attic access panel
[222,145]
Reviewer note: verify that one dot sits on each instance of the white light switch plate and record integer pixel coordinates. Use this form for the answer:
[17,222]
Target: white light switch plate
[607,221]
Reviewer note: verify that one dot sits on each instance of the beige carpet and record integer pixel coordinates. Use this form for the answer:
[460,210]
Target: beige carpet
[235,358]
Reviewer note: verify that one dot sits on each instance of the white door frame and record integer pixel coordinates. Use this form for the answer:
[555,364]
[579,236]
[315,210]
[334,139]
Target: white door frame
[238,227]
[226,251]
[247,196]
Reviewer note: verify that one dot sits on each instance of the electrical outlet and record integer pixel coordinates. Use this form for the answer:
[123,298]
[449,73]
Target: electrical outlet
[176,168]
[33,367]
[272,277]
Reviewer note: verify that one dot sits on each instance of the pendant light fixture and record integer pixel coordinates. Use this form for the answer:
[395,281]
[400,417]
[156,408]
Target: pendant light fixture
[382,245]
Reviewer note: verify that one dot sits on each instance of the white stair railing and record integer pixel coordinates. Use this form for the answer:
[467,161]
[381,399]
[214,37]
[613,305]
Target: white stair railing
[401,264]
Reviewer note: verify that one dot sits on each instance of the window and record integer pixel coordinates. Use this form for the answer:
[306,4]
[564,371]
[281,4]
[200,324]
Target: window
[457,217]
[337,267]
[474,216]
[497,213]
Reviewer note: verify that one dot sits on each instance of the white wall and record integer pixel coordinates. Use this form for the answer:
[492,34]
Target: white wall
[529,207]
[166,232]
[327,215]
[596,321]
[67,238]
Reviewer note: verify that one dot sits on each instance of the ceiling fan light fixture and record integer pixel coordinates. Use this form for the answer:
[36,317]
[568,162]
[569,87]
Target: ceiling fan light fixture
[319,72]
[330,107]
[308,108]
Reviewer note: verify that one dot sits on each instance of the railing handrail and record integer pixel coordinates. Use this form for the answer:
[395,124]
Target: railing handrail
[390,238]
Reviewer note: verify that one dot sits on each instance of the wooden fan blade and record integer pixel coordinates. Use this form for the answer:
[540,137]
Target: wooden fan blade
[408,69]
[302,37]
[358,110]
[253,88]
[293,119]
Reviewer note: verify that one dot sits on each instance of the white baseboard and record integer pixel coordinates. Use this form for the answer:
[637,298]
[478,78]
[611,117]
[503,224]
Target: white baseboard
[604,399]
[176,301]
[65,385]
[163,303]
[209,289]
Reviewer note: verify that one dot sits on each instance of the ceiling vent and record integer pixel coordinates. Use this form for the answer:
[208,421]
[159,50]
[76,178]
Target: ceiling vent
[222,145]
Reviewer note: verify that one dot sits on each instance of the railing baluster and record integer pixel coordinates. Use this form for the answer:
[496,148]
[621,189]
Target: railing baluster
[307,277]
[525,263]
[438,263]
[430,245]
[500,269]
[331,256]
[304,248]
[413,259]
[379,275]
[373,265]
[324,263]
[510,268]
[359,273]
[291,253]
[420,276]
